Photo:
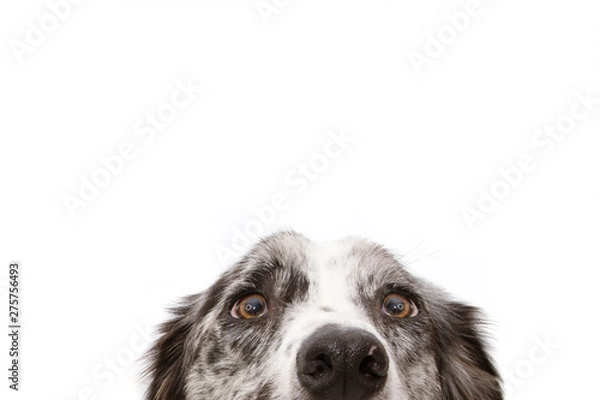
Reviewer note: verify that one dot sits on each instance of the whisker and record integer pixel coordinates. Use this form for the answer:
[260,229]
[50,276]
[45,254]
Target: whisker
[413,249]
[421,258]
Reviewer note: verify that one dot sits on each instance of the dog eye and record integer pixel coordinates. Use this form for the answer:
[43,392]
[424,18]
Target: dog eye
[398,306]
[250,307]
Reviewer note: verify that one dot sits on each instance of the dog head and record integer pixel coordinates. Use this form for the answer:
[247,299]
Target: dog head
[303,321]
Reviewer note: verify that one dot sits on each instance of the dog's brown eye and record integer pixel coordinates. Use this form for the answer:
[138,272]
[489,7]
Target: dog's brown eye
[249,307]
[398,306]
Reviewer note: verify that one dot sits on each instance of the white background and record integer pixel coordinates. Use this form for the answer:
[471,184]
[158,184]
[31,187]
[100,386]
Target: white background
[425,142]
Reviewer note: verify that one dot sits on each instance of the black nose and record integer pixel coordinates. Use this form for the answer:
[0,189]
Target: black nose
[338,363]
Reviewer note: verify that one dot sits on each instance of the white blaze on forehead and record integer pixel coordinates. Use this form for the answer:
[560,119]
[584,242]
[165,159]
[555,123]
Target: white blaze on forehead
[332,292]
[329,275]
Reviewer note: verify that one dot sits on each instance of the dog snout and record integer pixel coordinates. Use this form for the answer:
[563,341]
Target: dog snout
[342,363]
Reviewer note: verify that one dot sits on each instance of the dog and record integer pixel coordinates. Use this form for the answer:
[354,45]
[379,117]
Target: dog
[297,320]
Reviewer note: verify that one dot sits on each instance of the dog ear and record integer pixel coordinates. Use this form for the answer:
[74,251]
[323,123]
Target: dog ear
[169,357]
[465,368]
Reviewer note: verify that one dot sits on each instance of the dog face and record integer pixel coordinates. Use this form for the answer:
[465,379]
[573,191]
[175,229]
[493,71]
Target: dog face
[295,320]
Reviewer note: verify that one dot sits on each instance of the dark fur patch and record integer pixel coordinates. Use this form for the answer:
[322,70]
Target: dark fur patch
[465,367]
[167,356]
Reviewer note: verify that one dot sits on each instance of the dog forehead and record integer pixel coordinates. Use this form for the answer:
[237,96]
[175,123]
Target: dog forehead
[349,256]
[347,267]
[338,257]
[348,252]
[342,266]
[352,257]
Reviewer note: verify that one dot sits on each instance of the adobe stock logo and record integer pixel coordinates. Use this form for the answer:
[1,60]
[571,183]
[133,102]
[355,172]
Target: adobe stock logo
[115,365]
[436,44]
[544,142]
[37,32]
[269,8]
[146,128]
[524,369]
[297,182]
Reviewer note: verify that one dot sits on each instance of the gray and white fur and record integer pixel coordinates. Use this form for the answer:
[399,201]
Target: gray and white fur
[325,334]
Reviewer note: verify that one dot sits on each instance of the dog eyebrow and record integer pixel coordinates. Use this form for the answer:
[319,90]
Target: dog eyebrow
[249,279]
[283,280]
[404,289]
[263,271]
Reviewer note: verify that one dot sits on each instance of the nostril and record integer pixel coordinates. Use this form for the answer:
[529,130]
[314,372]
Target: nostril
[374,364]
[370,367]
[320,366]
